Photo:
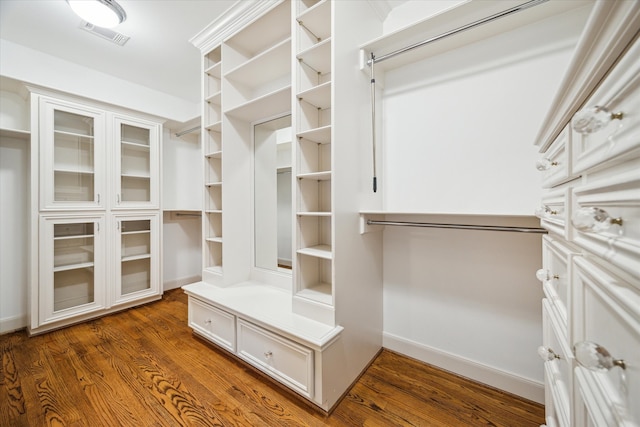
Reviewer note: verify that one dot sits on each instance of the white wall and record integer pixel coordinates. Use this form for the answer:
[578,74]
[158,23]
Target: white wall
[182,249]
[14,221]
[458,134]
[35,67]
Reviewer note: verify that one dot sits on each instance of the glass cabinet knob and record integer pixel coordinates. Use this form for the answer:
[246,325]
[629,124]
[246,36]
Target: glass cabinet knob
[545,211]
[545,164]
[545,275]
[595,357]
[593,219]
[591,120]
[547,354]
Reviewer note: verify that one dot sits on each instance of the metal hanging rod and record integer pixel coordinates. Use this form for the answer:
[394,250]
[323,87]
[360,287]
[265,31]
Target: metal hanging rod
[459,226]
[188,214]
[184,132]
[466,27]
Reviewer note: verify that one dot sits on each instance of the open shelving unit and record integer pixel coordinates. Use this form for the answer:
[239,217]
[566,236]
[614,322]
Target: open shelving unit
[212,153]
[314,151]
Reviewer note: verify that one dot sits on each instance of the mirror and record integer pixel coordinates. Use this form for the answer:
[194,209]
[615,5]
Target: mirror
[273,210]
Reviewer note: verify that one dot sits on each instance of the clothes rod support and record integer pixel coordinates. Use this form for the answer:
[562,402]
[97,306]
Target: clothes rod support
[466,27]
[459,226]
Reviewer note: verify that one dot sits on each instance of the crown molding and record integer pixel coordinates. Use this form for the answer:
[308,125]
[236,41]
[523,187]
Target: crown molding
[237,16]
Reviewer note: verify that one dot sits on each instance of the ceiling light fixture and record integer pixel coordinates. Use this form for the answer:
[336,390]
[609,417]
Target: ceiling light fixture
[101,13]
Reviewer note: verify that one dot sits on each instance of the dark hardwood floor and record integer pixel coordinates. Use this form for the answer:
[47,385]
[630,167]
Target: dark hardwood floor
[144,367]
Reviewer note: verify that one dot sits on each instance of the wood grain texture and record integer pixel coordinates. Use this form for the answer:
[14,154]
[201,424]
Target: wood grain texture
[144,367]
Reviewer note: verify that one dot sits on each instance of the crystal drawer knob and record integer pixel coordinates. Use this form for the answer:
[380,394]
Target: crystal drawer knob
[545,164]
[595,357]
[593,219]
[545,275]
[545,212]
[547,354]
[268,354]
[591,120]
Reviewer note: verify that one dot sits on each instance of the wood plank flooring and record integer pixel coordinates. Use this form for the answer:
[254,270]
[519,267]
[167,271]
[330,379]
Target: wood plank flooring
[144,367]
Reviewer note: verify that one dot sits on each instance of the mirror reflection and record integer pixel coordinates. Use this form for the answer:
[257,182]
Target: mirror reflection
[273,210]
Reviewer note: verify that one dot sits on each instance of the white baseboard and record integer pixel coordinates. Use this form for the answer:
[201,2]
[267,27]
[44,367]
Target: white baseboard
[10,324]
[493,377]
[173,284]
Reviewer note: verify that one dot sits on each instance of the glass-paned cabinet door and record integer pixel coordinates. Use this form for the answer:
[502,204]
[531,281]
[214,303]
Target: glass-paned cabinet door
[72,269]
[137,257]
[137,165]
[72,156]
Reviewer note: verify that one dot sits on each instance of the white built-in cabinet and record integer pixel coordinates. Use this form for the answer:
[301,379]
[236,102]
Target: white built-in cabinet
[95,228]
[590,163]
[316,327]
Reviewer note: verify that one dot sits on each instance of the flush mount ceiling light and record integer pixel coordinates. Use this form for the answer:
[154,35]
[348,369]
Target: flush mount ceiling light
[101,13]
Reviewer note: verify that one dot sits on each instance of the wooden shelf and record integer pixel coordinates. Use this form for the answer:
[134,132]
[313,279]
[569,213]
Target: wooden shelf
[318,96]
[266,67]
[319,251]
[269,105]
[321,135]
[317,19]
[15,133]
[316,176]
[318,56]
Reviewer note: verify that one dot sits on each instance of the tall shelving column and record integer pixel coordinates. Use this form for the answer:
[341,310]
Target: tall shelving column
[313,284]
[256,81]
[212,151]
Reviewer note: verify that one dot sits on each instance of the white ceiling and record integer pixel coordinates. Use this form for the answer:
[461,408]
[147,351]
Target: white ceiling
[158,55]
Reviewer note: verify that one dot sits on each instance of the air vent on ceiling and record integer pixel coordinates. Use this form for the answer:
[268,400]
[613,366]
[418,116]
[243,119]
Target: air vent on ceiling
[105,33]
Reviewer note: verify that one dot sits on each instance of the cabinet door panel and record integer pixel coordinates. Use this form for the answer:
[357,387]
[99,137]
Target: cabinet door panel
[137,257]
[136,175]
[72,156]
[71,267]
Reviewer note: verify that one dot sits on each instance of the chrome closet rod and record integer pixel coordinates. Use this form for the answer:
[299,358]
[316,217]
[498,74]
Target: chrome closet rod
[459,226]
[184,132]
[466,27]
[188,214]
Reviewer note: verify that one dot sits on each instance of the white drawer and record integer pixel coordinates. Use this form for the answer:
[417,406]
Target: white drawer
[619,93]
[555,162]
[608,313]
[616,197]
[555,277]
[556,208]
[285,360]
[213,323]
[557,369]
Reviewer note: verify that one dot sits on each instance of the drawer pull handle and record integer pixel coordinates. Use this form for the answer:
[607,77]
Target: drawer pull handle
[268,354]
[545,212]
[593,219]
[545,164]
[545,275]
[595,357]
[547,354]
[591,120]
[207,322]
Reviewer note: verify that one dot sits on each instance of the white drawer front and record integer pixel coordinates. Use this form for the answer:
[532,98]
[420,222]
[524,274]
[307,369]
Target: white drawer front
[213,323]
[556,209]
[287,361]
[557,259]
[619,196]
[557,370]
[608,313]
[554,163]
[619,93]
